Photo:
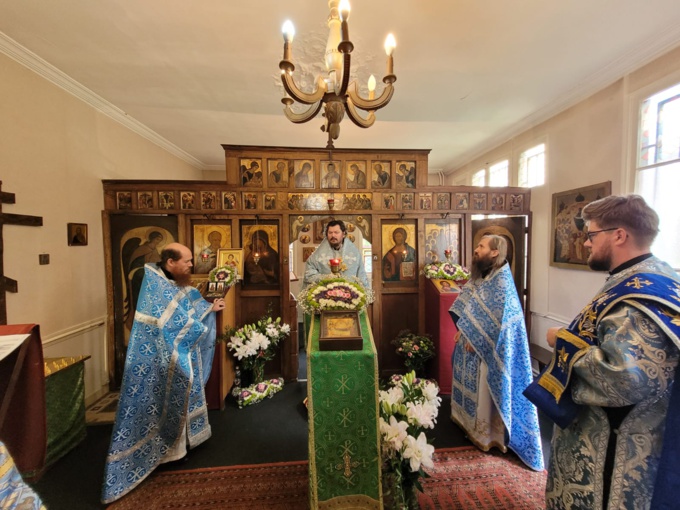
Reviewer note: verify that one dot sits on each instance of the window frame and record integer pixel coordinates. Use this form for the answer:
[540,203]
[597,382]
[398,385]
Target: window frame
[631,170]
[524,150]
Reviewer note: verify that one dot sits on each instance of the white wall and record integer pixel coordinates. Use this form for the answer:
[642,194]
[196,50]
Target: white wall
[586,144]
[54,151]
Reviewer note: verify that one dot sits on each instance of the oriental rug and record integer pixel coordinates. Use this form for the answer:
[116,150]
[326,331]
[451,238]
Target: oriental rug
[463,478]
[103,411]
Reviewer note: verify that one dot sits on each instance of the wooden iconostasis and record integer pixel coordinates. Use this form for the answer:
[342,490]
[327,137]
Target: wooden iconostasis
[280,199]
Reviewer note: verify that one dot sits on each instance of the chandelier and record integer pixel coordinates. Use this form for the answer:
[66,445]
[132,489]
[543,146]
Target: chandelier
[334,91]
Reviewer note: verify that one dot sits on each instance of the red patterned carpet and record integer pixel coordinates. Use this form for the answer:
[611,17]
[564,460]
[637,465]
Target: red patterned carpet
[467,478]
[463,478]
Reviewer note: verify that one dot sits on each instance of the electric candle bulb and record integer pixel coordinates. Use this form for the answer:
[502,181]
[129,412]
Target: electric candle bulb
[288,31]
[390,44]
[371,87]
[344,9]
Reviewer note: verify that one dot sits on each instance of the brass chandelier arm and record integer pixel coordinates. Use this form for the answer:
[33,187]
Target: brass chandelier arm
[370,104]
[302,97]
[337,94]
[356,117]
[347,61]
[307,115]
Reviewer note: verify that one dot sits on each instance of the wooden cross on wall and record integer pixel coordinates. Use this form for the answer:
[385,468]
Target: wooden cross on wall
[7,284]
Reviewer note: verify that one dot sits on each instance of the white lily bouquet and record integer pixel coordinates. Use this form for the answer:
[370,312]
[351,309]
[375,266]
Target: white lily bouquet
[253,345]
[408,407]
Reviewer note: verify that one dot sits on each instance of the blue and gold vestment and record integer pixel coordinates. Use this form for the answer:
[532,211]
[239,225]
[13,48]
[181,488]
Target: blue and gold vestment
[491,320]
[162,398]
[621,351]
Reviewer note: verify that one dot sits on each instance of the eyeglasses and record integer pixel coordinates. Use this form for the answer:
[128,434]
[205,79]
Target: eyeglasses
[595,232]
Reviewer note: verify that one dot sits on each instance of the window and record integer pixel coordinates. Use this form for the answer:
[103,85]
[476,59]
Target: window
[479,178]
[532,167]
[498,174]
[658,167]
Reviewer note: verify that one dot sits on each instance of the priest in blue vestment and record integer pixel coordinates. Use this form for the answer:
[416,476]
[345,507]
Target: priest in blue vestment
[162,409]
[336,246]
[491,363]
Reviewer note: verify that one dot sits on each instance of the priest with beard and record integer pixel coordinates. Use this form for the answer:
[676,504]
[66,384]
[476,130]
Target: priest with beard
[162,410]
[336,246]
[612,386]
[491,364]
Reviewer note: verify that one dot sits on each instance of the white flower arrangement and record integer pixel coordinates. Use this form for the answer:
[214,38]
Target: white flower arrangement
[334,293]
[407,408]
[254,344]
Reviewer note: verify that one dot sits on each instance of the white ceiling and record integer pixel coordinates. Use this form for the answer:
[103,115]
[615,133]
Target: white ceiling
[470,73]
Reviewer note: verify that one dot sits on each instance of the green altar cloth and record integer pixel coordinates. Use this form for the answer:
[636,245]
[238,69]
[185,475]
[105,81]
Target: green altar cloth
[344,440]
[65,397]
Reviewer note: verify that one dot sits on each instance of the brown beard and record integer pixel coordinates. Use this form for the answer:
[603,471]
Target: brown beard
[600,264]
[480,266]
[182,279]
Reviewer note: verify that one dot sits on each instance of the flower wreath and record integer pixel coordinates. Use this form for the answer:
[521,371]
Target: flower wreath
[224,274]
[258,392]
[446,271]
[334,293]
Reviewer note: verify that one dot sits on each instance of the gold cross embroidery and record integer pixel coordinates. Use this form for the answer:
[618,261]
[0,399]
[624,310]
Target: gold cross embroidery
[347,465]
[562,358]
[638,283]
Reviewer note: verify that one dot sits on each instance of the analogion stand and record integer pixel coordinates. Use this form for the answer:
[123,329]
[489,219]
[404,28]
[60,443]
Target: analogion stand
[344,437]
[222,373]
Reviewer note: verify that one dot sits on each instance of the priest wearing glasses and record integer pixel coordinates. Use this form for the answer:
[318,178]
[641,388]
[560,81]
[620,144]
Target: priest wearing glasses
[611,387]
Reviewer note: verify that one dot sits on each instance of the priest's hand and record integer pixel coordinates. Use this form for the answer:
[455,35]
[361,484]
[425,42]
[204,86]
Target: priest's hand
[218,305]
[551,336]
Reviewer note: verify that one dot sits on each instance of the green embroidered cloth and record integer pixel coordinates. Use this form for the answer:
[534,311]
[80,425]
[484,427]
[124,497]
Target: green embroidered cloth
[65,397]
[344,440]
